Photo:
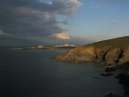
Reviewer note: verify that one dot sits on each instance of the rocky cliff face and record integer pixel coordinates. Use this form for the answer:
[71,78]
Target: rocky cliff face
[79,55]
[109,55]
[112,57]
[113,53]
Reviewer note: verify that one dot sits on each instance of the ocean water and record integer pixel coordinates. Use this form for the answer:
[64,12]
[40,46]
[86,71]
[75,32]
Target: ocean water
[32,73]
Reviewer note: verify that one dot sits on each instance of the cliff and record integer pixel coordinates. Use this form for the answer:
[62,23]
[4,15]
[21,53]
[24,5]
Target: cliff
[112,53]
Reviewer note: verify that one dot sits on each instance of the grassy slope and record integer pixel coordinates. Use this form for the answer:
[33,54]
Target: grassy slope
[116,42]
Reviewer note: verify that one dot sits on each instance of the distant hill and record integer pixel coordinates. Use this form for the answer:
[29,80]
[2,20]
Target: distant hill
[116,42]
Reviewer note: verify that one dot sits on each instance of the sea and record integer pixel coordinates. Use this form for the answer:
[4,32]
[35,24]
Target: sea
[32,73]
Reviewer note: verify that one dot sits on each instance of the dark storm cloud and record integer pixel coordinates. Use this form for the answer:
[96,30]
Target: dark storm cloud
[34,17]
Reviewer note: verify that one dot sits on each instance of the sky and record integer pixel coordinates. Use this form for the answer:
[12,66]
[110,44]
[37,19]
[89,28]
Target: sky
[50,22]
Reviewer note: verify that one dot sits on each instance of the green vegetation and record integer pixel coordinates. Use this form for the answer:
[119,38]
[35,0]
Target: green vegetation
[116,42]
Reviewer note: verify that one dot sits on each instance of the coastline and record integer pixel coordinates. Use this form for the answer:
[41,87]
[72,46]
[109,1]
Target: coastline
[113,54]
[44,47]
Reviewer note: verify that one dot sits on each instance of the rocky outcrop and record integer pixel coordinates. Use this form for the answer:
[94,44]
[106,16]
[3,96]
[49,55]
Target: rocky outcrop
[108,55]
[125,56]
[112,56]
[78,55]
[114,53]
[101,52]
[111,95]
[124,81]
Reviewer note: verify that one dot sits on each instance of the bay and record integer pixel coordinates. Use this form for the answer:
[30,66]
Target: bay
[32,73]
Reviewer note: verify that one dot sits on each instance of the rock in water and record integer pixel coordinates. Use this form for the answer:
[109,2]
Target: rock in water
[106,74]
[111,95]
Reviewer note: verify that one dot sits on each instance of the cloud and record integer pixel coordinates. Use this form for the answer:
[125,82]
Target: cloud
[27,17]
[112,1]
[63,36]
[115,21]
[94,5]
[98,3]
[1,32]
[119,22]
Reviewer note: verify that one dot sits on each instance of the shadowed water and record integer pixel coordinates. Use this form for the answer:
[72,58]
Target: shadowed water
[33,74]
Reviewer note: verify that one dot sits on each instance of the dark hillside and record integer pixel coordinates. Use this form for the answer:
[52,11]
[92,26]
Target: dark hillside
[116,42]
